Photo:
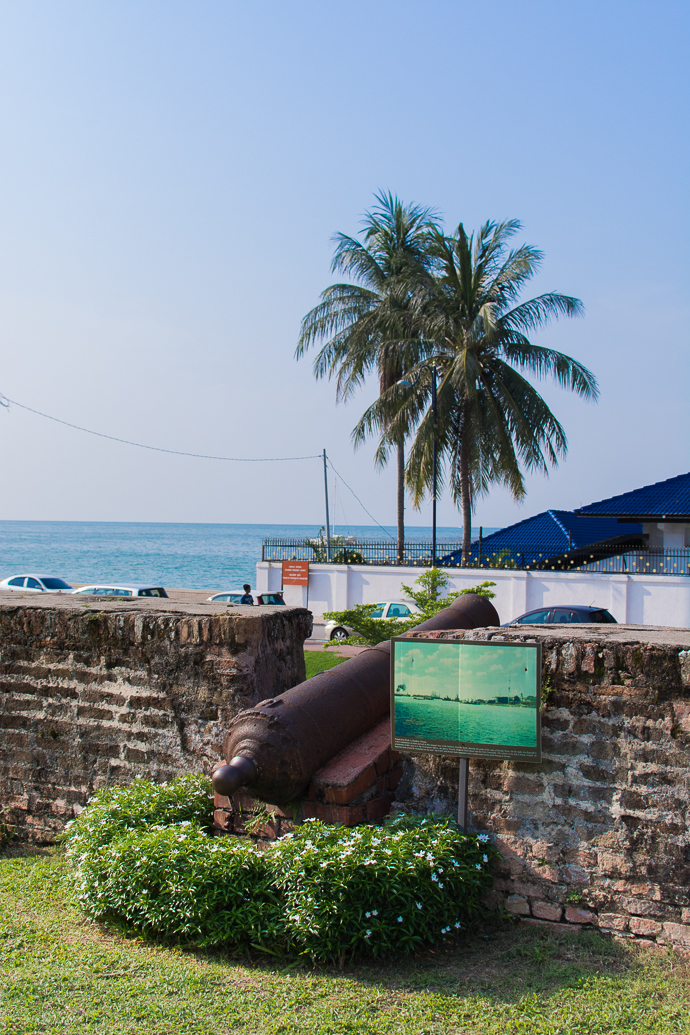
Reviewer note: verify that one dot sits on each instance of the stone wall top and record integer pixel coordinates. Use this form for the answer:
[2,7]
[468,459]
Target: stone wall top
[626,660]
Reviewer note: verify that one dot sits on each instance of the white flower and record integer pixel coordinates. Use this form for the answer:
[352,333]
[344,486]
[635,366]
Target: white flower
[368,934]
[483,837]
[374,912]
[479,866]
[485,858]
[434,877]
[367,914]
[457,924]
[419,905]
[399,919]
[440,884]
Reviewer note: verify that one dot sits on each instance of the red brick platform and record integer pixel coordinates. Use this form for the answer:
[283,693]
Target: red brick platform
[357,786]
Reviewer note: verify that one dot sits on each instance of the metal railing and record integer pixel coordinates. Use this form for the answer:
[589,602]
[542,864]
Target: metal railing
[348,550]
[417,553]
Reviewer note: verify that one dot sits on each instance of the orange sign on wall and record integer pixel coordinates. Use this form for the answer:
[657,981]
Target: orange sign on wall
[295,573]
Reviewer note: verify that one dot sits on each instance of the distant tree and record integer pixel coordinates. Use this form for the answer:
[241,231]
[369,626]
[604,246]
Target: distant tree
[367,326]
[427,596]
[472,327]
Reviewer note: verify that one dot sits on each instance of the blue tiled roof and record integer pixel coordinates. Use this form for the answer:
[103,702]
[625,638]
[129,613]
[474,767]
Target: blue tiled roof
[548,534]
[669,499]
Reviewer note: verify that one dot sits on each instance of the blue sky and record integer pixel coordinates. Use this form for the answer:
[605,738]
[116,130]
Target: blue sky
[173,172]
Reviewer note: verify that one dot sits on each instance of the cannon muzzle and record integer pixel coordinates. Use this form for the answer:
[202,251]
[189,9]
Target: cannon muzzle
[277,746]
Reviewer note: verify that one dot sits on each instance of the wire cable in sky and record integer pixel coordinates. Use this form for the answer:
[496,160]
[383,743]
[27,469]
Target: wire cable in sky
[359,501]
[4,401]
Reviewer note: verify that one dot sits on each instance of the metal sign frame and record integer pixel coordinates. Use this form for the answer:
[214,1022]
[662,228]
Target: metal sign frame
[471,748]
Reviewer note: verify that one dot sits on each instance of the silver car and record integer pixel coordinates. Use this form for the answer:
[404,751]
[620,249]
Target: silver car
[104,589]
[388,609]
[36,584]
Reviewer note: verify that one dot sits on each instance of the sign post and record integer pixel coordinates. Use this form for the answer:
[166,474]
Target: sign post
[463,781]
[468,698]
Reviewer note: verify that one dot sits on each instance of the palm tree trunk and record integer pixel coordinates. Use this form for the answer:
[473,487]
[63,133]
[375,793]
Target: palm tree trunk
[401,501]
[466,498]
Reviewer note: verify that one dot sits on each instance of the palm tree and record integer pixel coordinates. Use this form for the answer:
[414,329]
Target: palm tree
[491,421]
[366,326]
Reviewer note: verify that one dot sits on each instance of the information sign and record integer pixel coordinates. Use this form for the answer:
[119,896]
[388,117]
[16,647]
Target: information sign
[470,698]
[295,573]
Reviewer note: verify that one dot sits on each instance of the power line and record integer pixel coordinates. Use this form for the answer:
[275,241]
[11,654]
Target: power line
[4,401]
[360,502]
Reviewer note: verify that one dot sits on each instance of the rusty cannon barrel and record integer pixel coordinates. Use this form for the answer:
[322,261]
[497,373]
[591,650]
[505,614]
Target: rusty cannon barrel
[276,747]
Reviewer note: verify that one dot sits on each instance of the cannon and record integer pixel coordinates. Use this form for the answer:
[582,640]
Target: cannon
[277,746]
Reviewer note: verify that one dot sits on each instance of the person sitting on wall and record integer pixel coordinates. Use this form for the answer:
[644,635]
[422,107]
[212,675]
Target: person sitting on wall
[247,598]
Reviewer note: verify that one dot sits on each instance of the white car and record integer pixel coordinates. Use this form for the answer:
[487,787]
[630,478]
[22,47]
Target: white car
[36,584]
[389,609]
[228,596]
[105,590]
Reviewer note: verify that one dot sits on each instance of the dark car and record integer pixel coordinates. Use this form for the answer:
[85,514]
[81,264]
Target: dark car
[566,615]
[270,598]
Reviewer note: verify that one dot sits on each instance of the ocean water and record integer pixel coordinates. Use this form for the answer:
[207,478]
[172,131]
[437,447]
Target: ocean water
[190,556]
[469,723]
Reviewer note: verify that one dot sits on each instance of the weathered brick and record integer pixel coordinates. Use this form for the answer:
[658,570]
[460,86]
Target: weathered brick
[348,815]
[519,784]
[641,907]
[613,921]
[575,915]
[645,927]
[377,808]
[547,911]
[390,780]
[677,934]
[517,904]
[344,795]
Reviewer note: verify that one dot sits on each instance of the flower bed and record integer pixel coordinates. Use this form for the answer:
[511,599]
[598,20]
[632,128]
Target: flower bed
[146,855]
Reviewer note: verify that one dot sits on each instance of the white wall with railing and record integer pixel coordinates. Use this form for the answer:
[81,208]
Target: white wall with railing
[635,599]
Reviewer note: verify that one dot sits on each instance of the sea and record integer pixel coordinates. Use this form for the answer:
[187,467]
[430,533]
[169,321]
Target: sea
[182,556]
[469,723]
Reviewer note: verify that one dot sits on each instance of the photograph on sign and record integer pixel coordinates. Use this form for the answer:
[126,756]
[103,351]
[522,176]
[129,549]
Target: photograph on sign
[467,698]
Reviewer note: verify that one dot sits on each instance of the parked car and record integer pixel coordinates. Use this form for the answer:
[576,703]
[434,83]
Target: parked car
[389,609]
[104,590]
[229,596]
[36,584]
[565,615]
[270,598]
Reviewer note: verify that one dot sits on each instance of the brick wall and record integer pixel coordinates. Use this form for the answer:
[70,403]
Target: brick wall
[94,697]
[598,832]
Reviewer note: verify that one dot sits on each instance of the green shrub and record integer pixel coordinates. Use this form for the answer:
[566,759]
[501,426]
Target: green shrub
[323,891]
[180,882]
[115,810]
[379,890]
[428,596]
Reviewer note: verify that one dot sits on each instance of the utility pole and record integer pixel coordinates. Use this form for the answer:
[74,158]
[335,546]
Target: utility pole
[325,493]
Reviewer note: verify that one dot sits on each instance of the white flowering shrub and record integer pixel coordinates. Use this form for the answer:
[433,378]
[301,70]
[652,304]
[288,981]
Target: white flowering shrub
[143,804]
[379,890]
[181,882]
[145,854]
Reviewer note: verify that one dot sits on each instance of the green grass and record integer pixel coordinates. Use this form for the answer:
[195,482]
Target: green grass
[60,973]
[319,660]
